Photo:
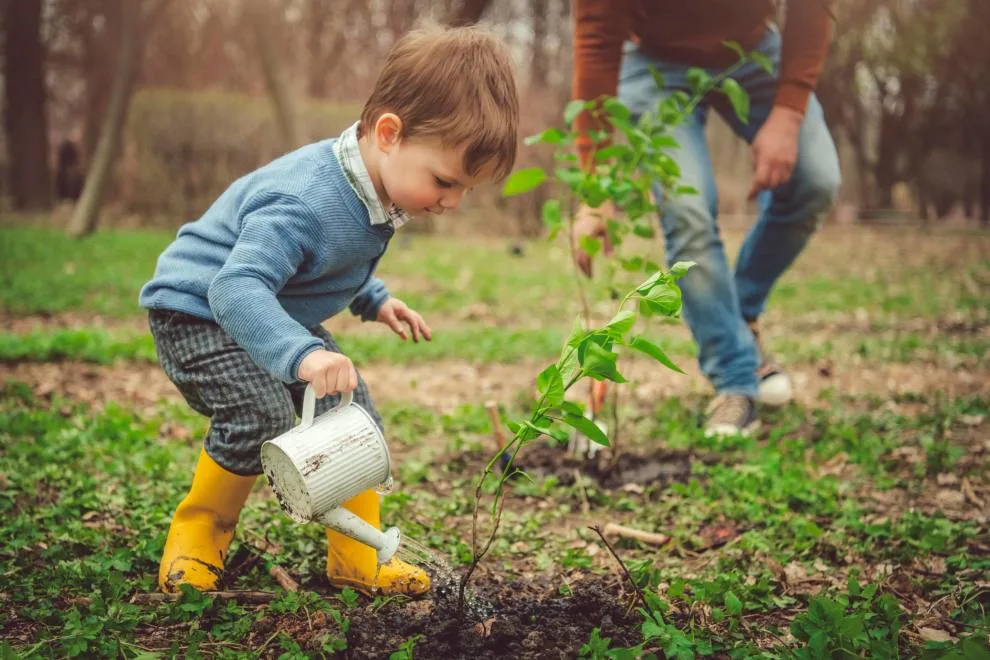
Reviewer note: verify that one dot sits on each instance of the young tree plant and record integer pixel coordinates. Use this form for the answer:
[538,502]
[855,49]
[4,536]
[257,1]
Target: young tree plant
[626,175]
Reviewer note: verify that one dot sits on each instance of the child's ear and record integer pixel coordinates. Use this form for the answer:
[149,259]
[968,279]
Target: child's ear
[388,128]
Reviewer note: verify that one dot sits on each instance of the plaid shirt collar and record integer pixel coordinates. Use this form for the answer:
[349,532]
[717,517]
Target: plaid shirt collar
[347,151]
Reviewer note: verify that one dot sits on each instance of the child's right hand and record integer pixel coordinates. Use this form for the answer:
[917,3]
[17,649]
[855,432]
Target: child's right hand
[328,373]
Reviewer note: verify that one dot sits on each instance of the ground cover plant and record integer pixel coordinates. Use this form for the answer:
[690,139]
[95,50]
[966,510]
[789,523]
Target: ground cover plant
[855,526]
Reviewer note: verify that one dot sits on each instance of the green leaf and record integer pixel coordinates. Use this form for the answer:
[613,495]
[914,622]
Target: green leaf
[587,427]
[550,384]
[571,408]
[665,298]
[572,176]
[680,269]
[762,61]
[568,364]
[736,48]
[649,348]
[599,363]
[631,264]
[664,141]
[551,216]
[598,136]
[590,245]
[650,282]
[572,110]
[657,77]
[698,79]
[609,152]
[620,324]
[733,604]
[686,190]
[523,180]
[738,98]
[549,136]
[616,109]
[644,230]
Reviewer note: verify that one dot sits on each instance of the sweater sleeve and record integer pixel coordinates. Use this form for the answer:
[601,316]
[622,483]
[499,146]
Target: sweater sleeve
[600,28]
[369,300]
[270,248]
[807,30]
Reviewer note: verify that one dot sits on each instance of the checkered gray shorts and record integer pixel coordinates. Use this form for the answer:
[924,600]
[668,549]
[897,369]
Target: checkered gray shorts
[246,405]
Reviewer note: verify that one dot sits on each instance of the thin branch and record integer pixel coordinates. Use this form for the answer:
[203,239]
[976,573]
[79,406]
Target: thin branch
[642,598]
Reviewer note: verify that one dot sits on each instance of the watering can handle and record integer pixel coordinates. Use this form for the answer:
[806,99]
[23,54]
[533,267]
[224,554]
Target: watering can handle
[309,406]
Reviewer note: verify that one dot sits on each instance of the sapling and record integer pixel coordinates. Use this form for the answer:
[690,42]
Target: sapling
[624,174]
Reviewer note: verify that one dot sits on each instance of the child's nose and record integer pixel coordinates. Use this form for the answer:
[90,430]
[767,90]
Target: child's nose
[452,199]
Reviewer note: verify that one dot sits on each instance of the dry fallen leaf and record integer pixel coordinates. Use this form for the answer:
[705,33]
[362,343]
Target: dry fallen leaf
[794,572]
[935,635]
[947,479]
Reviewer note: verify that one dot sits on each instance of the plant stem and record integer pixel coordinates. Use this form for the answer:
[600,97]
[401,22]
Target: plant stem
[639,592]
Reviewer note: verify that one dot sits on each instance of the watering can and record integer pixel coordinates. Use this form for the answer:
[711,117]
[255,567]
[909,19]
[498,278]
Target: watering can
[323,462]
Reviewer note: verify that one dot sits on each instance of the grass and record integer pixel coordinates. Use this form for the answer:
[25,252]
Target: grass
[843,530]
[476,343]
[87,495]
[892,275]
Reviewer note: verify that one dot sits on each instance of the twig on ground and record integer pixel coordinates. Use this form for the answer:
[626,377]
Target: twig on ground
[642,598]
[651,538]
[970,494]
[280,575]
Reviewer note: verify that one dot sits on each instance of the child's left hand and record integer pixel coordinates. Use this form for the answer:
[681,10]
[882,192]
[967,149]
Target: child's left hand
[393,312]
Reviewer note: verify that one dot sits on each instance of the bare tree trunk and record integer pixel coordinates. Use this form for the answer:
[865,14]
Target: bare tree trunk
[86,214]
[261,17]
[25,115]
[318,23]
[985,180]
[99,51]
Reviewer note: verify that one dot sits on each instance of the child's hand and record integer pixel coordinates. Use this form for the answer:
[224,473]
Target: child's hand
[328,373]
[394,312]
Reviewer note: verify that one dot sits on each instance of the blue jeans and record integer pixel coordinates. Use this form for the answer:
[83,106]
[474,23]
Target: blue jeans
[717,303]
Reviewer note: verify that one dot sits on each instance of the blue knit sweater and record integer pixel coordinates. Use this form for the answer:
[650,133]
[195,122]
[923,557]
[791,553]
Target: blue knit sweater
[281,250]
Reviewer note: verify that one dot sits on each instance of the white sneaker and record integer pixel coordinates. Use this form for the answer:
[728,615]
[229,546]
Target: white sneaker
[731,415]
[775,386]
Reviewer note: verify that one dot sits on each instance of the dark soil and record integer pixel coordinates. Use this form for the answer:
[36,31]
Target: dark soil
[529,619]
[659,468]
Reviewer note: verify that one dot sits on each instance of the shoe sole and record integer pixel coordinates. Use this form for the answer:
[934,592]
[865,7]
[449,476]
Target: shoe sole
[730,431]
[775,390]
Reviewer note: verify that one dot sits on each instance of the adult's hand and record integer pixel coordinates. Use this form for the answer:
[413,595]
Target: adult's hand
[590,222]
[775,149]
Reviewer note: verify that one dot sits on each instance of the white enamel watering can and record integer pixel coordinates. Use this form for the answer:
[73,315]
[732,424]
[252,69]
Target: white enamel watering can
[323,462]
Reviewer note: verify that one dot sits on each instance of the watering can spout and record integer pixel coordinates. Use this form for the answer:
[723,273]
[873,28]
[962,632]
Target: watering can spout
[341,520]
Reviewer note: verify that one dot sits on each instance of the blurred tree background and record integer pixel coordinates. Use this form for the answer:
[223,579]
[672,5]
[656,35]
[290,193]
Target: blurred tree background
[162,103]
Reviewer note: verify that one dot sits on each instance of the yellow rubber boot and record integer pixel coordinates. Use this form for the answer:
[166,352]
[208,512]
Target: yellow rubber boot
[202,528]
[353,564]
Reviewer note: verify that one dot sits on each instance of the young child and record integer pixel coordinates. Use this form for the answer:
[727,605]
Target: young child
[237,300]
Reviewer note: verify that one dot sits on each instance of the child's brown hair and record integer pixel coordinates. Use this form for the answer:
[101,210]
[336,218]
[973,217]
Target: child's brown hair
[455,85]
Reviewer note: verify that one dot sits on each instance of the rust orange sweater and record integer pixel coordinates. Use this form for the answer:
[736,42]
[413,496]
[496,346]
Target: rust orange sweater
[692,32]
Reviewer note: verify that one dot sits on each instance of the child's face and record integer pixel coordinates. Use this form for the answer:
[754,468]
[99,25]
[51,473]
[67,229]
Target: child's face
[423,176]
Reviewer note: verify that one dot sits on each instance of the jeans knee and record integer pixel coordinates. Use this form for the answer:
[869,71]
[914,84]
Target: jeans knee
[820,187]
[689,229]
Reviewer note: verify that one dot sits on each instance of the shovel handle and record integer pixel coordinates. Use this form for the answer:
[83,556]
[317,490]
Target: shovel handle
[309,406]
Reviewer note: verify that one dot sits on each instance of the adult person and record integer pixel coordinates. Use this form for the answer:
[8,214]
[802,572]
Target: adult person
[795,166]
